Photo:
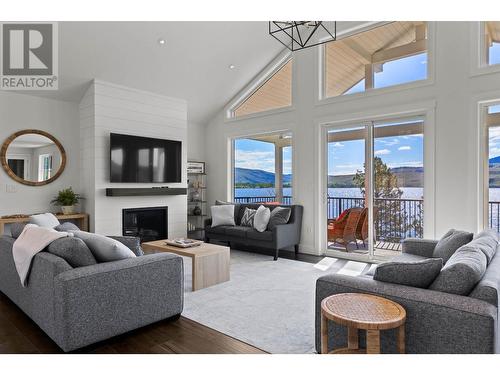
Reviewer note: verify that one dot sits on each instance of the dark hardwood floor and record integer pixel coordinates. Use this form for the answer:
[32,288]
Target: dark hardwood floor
[18,334]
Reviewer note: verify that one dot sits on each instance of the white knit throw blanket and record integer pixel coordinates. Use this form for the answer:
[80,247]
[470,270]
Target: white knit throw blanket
[32,240]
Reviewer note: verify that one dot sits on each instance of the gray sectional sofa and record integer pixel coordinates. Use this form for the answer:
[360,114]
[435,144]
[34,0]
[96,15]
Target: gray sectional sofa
[77,307]
[281,237]
[437,322]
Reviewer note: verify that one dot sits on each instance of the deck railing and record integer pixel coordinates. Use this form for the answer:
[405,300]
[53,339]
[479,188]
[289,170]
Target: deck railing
[396,219]
[267,199]
[406,215]
[494,215]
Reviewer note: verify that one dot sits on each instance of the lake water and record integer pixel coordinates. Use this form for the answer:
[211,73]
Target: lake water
[409,193]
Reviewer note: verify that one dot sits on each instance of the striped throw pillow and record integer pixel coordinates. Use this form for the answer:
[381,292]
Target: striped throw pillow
[248,216]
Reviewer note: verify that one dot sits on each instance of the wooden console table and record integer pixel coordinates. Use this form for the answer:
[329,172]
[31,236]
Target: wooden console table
[81,219]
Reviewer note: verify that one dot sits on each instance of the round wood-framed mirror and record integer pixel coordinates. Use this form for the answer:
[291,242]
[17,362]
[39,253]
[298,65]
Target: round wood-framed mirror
[33,157]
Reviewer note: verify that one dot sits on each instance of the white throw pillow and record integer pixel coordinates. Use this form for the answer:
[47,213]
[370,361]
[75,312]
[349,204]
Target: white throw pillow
[222,215]
[261,218]
[47,220]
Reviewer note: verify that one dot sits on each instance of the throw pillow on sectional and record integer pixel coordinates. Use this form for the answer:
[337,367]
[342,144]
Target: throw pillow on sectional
[451,242]
[419,274]
[133,243]
[462,272]
[248,217]
[73,250]
[280,215]
[261,218]
[222,215]
[47,220]
[66,226]
[103,248]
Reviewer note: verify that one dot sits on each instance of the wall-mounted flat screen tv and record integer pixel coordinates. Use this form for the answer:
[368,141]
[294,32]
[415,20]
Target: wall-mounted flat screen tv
[141,159]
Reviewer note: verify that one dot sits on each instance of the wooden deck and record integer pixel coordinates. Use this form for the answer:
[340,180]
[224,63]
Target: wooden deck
[382,249]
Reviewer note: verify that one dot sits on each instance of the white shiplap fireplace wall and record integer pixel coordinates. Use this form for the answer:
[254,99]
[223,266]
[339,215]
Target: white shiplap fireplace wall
[107,108]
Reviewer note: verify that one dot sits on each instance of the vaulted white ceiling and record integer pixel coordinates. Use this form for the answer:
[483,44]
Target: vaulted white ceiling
[193,64]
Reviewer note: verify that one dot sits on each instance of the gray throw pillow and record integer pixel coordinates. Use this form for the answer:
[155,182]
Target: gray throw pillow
[133,243]
[218,202]
[47,220]
[462,272]
[261,218]
[419,274]
[487,242]
[248,217]
[72,250]
[66,226]
[16,229]
[103,248]
[280,215]
[222,215]
[450,242]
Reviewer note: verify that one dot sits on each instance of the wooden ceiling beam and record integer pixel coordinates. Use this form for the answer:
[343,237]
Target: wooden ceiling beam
[400,52]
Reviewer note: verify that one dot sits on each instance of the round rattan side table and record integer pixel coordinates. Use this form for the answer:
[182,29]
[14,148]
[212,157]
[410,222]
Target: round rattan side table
[362,311]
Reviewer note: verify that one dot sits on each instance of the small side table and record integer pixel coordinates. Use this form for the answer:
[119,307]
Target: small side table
[362,311]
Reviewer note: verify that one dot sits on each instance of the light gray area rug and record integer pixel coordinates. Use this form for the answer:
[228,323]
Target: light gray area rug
[268,304]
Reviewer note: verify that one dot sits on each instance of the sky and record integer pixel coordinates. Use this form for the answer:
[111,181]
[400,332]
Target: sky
[494,54]
[400,151]
[408,69]
[253,154]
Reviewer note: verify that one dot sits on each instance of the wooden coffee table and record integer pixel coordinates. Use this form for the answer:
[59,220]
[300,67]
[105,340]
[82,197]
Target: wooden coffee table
[362,311]
[210,263]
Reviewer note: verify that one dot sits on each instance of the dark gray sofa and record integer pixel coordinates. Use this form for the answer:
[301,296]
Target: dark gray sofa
[437,322]
[77,307]
[281,237]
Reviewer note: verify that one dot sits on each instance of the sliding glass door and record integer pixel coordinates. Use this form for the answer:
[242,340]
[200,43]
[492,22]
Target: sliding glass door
[492,168]
[375,186]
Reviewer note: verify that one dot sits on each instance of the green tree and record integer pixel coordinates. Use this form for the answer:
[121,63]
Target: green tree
[390,212]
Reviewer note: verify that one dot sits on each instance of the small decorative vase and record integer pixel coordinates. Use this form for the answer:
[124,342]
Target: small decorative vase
[68,210]
[195,196]
[197,211]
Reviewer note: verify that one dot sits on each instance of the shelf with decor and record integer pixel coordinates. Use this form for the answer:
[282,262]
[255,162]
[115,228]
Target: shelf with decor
[197,200]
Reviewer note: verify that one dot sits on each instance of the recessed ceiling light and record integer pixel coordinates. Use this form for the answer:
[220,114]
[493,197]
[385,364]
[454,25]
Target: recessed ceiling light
[162,41]
[231,66]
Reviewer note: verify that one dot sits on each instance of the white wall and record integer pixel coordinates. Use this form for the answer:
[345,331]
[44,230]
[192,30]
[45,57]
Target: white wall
[451,148]
[196,141]
[19,112]
[109,108]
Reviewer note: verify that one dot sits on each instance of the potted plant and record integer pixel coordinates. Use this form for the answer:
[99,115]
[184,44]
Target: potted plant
[67,199]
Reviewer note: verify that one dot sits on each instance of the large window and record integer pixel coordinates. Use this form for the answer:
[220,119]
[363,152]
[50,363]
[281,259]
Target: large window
[263,169]
[393,206]
[492,42]
[388,55]
[492,167]
[275,92]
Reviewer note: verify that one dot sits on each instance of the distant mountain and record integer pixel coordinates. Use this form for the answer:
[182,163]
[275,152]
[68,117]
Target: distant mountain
[495,160]
[244,176]
[407,177]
